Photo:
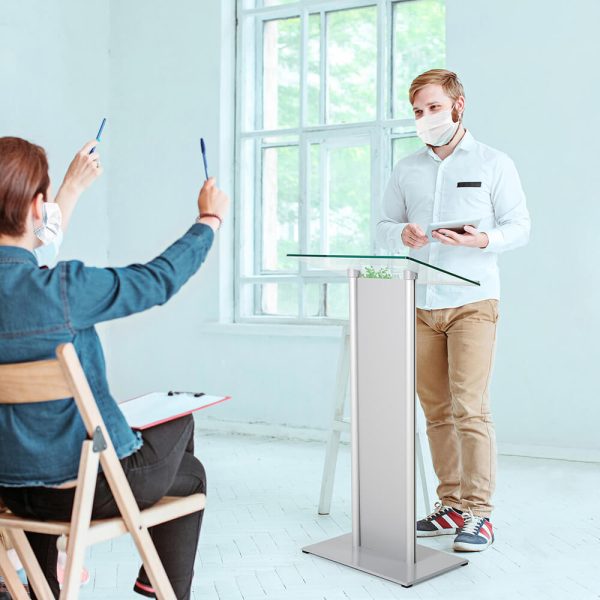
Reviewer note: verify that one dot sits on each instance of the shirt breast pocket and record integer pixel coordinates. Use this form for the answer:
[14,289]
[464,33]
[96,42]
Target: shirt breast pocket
[474,196]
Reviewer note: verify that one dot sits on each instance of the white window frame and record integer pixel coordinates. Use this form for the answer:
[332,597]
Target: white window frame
[381,132]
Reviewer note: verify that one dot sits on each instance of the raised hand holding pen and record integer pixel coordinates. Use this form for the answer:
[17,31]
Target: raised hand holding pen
[213,205]
[203,149]
[84,169]
[99,134]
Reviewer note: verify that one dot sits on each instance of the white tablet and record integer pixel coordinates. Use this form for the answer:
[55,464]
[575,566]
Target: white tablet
[457,226]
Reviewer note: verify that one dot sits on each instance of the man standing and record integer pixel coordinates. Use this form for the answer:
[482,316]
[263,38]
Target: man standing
[455,178]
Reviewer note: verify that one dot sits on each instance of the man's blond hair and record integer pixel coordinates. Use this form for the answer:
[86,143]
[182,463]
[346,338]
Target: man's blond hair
[447,79]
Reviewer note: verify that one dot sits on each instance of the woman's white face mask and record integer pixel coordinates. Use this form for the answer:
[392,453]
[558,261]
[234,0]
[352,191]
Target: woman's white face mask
[47,230]
[437,129]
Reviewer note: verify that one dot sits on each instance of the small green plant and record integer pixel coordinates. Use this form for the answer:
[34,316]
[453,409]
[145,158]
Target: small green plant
[373,273]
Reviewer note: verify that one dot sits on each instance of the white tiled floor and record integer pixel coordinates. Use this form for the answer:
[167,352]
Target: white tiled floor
[262,509]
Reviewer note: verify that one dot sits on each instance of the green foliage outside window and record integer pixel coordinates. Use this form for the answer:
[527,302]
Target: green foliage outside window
[338,210]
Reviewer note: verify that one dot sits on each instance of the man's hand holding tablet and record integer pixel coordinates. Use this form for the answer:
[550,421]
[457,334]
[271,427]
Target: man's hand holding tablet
[414,237]
[465,235]
[471,238]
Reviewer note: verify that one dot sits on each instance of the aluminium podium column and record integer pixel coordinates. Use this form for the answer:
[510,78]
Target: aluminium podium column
[382,379]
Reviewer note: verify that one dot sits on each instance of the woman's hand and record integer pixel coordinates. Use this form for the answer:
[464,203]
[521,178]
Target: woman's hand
[212,201]
[84,169]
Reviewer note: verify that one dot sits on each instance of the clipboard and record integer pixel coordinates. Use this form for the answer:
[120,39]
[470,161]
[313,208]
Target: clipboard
[156,408]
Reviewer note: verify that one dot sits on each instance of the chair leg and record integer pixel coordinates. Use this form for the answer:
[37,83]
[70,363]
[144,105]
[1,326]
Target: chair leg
[333,444]
[80,521]
[153,565]
[424,463]
[11,578]
[140,534]
[331,455]
[421,471]
[35,575]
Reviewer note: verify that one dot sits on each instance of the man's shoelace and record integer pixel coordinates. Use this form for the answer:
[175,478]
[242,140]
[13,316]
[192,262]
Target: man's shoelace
[472,523]
[438,509]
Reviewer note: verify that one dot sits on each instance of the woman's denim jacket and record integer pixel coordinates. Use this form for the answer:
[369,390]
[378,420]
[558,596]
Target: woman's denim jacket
[40,443]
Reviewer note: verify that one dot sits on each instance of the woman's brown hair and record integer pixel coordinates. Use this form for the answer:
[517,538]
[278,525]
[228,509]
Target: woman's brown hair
[23,175]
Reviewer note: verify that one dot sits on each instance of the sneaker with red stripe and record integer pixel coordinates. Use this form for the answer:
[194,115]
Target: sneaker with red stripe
[475,535]
[444,520]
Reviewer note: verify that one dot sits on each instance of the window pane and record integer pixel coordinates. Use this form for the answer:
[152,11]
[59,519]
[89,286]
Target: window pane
[326,300]
[314,299]
[279,221]
[352,65]
[339,205]
[315,206]
[346,226]
[402,147]
[277,299]
[277,2]
[419,45]
[281,73]
[337,301]
[314,70]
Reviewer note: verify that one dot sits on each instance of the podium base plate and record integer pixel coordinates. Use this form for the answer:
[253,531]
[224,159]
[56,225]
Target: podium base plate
[429,563]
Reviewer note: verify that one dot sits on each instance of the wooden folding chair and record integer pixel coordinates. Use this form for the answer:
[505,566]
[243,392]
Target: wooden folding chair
[49,380]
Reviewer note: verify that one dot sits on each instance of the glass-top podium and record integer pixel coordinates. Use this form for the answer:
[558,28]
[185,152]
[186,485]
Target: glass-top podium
[382,326]
[393,265]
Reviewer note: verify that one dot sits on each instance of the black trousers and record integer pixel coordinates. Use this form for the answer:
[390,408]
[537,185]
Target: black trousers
[164,466]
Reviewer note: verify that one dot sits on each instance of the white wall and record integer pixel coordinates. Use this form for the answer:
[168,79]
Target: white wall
[512,58]
[530,72]
[166,81]
[54,66]
[168,86]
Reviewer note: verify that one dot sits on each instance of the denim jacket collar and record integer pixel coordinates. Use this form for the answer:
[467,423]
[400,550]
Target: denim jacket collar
[17,254]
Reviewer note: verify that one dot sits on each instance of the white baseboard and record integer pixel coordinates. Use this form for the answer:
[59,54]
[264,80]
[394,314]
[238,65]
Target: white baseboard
[306,434]
[285,432]
[591,455]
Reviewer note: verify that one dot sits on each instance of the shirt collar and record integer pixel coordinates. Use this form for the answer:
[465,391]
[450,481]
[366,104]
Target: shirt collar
[17,254]
[467,144]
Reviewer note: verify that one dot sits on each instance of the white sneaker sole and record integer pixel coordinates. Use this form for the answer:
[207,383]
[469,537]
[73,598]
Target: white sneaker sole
[466,547]
[437,532]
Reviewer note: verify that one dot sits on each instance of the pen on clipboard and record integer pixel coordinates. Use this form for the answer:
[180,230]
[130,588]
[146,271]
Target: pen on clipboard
[99,134]
[195,394]
[203,148]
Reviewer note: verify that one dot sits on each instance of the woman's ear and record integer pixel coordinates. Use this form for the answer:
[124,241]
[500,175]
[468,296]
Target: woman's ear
[36,206]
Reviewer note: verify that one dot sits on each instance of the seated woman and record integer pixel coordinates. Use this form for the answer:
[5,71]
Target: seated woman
[42,308]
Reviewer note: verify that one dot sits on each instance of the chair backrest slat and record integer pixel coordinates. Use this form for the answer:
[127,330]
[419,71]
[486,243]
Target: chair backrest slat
[39,381]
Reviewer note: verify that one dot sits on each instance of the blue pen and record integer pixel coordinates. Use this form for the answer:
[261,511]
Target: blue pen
[203,148]
[99,134]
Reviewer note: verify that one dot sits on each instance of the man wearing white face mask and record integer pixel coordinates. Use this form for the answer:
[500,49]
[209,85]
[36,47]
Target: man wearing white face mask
[84,169]
[454,178]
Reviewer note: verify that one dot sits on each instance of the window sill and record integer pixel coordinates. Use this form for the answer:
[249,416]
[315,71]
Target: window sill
[273,329]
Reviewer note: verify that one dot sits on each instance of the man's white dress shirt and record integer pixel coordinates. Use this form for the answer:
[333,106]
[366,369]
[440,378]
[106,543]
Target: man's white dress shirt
[475,181]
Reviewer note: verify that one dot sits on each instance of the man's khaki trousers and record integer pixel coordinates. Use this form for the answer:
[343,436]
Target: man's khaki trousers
[455,355]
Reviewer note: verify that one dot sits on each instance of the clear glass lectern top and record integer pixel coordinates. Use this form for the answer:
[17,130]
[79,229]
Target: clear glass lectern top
[382,267]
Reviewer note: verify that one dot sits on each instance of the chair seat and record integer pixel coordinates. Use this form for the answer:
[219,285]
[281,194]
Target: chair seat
[166,509]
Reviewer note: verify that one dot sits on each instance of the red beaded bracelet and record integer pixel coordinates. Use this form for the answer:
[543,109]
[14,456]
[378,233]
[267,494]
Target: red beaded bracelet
[211,215]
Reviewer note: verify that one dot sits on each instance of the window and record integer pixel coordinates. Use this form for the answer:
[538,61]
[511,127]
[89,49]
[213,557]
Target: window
[322,115]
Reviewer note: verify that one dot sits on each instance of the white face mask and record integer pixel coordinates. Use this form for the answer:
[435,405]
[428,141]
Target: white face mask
[437,129]
[49,228]
[47,254]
